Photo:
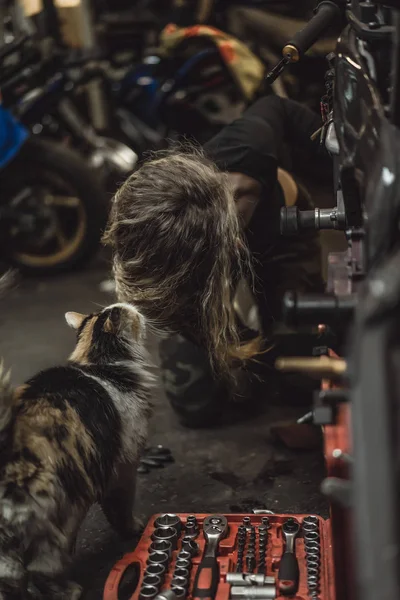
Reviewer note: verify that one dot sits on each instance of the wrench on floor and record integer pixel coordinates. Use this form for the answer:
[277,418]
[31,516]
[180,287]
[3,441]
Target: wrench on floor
[215,528]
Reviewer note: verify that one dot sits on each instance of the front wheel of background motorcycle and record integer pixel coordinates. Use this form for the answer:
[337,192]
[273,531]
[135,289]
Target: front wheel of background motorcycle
[50,189]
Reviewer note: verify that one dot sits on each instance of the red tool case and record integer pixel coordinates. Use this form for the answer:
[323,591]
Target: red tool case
[335,580]
[227,557]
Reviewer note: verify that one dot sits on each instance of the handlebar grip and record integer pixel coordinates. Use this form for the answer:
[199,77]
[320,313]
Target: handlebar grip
[326,13]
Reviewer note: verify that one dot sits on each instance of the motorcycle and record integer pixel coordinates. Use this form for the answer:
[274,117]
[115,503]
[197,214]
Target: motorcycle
[52,208]
[43,95]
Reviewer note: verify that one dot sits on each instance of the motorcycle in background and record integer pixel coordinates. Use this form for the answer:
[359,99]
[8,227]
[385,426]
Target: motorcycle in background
[52,208]
[44,95]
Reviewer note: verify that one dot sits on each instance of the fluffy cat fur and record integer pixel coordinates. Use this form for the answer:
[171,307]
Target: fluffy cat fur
[69,437]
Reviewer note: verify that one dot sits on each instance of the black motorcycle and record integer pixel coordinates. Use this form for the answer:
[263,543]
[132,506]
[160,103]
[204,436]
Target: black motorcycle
[52,205]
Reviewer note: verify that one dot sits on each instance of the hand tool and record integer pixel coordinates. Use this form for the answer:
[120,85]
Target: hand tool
[311,519]
[250,561]
[179,581]
[310,527]
[247,522]
[161,546]
[179,591]
[160,558]
[253,592]
[191,530]
[166,595]
[215,528]
[313,561]
[248,579]
[168,520]
[190,546]
[181,572]
[311,536]
[312,546]
[288,576]
[167,533]
[152,580]
[265,521]
[183,564]
[148,591]
[184,555]
[262,529]
[155,569]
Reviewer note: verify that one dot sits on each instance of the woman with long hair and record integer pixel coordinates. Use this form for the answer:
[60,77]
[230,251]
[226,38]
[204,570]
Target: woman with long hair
[189,224]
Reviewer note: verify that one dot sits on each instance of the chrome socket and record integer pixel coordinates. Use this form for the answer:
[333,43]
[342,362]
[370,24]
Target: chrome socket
[312,546]
[161,546]
[254,592]
[155,569]
[149,580]
[178,581]
[148,591]
[184,555]
[181,572]
[168,534]
[179,591]
[161,558]
[311,536]
[249,579]
[183,564]
[189,545]
[168,520]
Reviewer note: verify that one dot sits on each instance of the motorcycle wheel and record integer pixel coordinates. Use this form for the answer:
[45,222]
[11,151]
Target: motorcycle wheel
[55,209]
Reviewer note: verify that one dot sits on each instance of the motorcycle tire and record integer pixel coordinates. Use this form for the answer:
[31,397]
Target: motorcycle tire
[53,167]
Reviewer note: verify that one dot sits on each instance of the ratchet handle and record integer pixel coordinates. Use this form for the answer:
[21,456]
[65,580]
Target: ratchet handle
[326,13]
[207,579]
[288,576]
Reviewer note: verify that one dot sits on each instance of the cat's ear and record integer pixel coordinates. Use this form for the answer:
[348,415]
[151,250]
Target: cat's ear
[74,319]
[112,323]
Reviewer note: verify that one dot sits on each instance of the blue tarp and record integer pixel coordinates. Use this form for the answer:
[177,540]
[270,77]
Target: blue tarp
[12,136]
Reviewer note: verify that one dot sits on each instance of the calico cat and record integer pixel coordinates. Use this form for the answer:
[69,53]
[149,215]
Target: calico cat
[69,437]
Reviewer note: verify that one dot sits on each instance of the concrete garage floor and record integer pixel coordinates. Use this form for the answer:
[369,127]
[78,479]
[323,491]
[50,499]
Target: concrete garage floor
[230,469]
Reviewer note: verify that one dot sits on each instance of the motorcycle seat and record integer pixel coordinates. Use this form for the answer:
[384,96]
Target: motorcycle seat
[271,29]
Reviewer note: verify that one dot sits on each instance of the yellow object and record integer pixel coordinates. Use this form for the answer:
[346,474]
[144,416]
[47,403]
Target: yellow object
[31,7]
[246,68]
[322,367]
[71,18]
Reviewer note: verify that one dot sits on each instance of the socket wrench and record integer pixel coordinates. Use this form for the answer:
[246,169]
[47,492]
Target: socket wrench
[288,576]
[215,528]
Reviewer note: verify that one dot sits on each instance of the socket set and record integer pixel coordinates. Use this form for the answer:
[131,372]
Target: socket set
[227,557]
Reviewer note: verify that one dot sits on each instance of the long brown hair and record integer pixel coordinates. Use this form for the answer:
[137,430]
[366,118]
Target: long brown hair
[179,251]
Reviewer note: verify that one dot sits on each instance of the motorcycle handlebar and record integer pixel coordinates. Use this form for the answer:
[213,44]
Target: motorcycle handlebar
[326,13]
[12,47]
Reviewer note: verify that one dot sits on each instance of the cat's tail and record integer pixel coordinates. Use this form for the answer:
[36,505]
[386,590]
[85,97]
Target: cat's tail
[6,401]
